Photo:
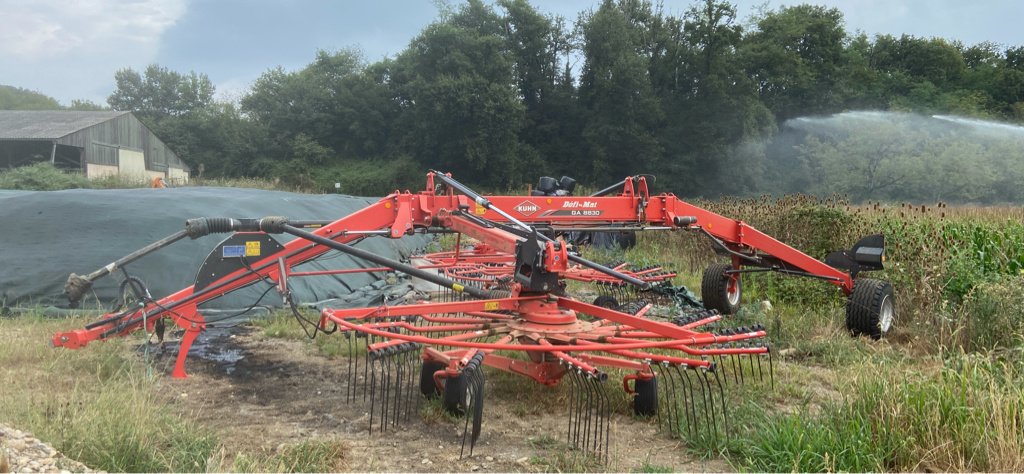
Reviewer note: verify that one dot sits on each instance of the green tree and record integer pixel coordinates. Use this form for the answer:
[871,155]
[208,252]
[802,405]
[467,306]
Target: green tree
[719,109]
[160,92]
[16,98]
[539,46]
[87,105]
[460,107]
[621,111]
[795,56]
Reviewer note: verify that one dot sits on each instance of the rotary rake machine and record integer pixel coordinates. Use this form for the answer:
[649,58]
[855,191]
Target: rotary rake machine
[502,302]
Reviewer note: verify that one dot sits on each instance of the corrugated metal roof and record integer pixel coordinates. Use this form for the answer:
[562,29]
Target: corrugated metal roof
[48,124]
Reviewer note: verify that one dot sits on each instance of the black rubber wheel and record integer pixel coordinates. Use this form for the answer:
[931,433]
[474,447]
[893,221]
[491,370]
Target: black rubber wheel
[871,308]
[455,398]
[627,240]
[428,388]
[606,301]
[645,403]
[720,290]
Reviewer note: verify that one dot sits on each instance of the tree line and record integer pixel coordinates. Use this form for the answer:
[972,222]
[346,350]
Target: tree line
[502,94]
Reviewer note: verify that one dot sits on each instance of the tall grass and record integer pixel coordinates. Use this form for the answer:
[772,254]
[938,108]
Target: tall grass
[96,405]
[967,416]
[937,255]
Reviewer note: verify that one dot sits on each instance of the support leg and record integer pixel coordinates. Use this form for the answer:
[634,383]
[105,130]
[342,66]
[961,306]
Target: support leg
[186,344]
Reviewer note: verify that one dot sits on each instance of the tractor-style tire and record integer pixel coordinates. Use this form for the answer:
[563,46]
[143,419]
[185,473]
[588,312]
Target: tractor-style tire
[428,388]
[871,308]
[606,301]
[627,240]
[715,289]
[454,399]
[645,403]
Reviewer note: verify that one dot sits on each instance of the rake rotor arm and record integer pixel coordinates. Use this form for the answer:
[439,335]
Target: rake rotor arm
[743,240]
[182,306]
[634,209]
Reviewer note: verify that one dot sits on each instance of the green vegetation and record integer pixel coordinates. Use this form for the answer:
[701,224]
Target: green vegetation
[46,177]
[16,98]
[964,417]
[283,325]
[937,257]
[560,457]
[100,407]
[95,406]
[942,392]
[307,456]
[501,94]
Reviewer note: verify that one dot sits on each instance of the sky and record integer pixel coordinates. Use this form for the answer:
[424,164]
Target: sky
[70,49]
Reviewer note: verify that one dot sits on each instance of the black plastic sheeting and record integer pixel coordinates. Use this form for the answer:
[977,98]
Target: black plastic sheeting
[45,235]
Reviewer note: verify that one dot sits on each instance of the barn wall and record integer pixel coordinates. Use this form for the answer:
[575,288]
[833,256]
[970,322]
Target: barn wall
[132,163]
[102,141]
[177,176]
[93,170]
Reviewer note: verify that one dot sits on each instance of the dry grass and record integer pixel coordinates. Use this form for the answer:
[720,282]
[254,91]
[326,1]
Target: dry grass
[95,405]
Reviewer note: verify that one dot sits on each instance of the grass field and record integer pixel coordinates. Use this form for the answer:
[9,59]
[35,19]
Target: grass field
[943,392]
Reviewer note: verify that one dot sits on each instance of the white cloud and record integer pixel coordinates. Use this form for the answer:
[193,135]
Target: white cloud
[70,49]
[41,29]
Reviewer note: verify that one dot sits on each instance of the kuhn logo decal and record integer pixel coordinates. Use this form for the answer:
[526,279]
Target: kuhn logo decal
[526,208]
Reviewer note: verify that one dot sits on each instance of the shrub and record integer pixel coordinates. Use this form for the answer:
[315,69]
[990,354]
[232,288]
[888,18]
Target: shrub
[370,177]
[41,177]
[992,315]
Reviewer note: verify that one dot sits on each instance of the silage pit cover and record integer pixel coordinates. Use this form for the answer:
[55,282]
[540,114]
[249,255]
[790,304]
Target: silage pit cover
[46,235]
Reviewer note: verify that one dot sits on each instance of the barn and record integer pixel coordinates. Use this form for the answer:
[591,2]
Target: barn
[94,143]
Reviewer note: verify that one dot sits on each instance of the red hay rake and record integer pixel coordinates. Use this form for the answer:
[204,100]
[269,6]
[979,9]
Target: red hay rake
[502,303]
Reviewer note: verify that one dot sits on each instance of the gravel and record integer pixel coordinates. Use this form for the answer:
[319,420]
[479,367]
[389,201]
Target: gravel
[21,452]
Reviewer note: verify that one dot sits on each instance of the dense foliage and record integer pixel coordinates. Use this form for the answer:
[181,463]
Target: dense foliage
[502,94]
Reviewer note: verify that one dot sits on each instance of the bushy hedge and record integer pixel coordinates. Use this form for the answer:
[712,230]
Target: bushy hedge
[41,177]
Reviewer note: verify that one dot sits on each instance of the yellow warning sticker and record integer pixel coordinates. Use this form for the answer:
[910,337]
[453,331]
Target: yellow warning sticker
[480,210]
[491,306]
[457,287]
[252,248]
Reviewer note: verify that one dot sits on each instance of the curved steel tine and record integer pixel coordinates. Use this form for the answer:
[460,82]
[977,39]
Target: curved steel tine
[704,397]
[401,367]
[578,387]
[572,408]
[725,409]
[385,390]
[760,373]
[478,408]
[671,405]
[711,396]
[719,361]
[750,358]
[410,383]
[691,402]
[373,387]
[607,426]
[366,365]
[589,409]
[465,426]
[349,389]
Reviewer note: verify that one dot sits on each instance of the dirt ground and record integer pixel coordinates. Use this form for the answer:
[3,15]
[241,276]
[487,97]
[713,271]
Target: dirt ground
[260,394]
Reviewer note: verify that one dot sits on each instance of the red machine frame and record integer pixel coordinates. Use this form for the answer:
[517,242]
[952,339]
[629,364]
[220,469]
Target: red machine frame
[402,213]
